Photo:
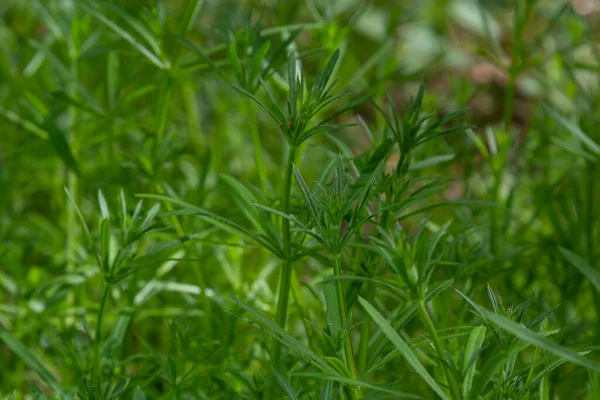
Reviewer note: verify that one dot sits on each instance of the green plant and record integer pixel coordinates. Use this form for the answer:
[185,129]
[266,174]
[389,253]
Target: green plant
[226,199]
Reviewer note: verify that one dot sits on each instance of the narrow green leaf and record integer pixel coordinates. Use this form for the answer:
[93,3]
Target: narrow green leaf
[285,386]
[300,225]
[334,318]
[367,183]
[533,338]
[325,75]
[309,198]
[490,369]
[80,215]
[103,206]
[595,385]
[349,106]
[430,162]
[548,368]
[575,131]
[26,124]
[32,362]
[150,216]
[355,382]
[139,394]
[439,289]
[210,62]
[246,202]
[583,266]
[105,243]
[469,366]
[137,26]
[117,335]
[121,32]
[402,347]
[61,146]
[256,64]
[286,339]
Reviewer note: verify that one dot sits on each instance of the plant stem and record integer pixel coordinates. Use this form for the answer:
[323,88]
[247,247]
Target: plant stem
[591,206]
[590,231]
[97,339]
[365,331]
[71,177]
[439,347]
[348,353]
[258,155]
[286,271]
[494,230]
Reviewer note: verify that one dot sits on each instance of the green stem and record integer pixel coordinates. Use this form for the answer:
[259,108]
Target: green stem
[258,155]
[590,225]
[494,227]
[286,271]
[591,206]
[509,100]
[71,177]
[98,338]
[440,349]
[348,353]
[365,334]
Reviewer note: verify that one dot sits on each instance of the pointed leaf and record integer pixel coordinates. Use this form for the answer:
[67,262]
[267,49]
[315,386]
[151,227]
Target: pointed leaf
[583,266]
[575,131]
[32,362]
[533,338]
[402,347]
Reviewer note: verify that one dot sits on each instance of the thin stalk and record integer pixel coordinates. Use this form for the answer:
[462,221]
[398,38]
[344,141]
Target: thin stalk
[286,271]
[365,334]
[440,349]
[590,231]
[591,206]
[494,226]
[509,99]
[98,338]
[515,66]
[348,353]
[71,177]
[258,155]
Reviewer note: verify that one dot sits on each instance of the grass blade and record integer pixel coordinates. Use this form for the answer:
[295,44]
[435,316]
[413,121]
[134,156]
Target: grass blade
[402,347]
[359,383]
[575,131]
[470,362]
[285,386]
[534,339]
[583,266]
[124,34]
[32,362]
[286,339]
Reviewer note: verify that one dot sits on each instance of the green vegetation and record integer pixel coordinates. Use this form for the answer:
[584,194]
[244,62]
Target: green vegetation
[318,199]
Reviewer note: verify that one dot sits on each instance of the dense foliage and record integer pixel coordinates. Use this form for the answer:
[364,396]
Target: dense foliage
[299,199]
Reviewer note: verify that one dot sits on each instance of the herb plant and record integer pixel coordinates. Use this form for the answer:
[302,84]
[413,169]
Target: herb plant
[303,200]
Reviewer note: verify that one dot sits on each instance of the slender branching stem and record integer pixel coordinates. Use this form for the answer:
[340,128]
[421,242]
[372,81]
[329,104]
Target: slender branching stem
[365,333]
[72,182]
[348,353]
[98,337]
[286,270]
